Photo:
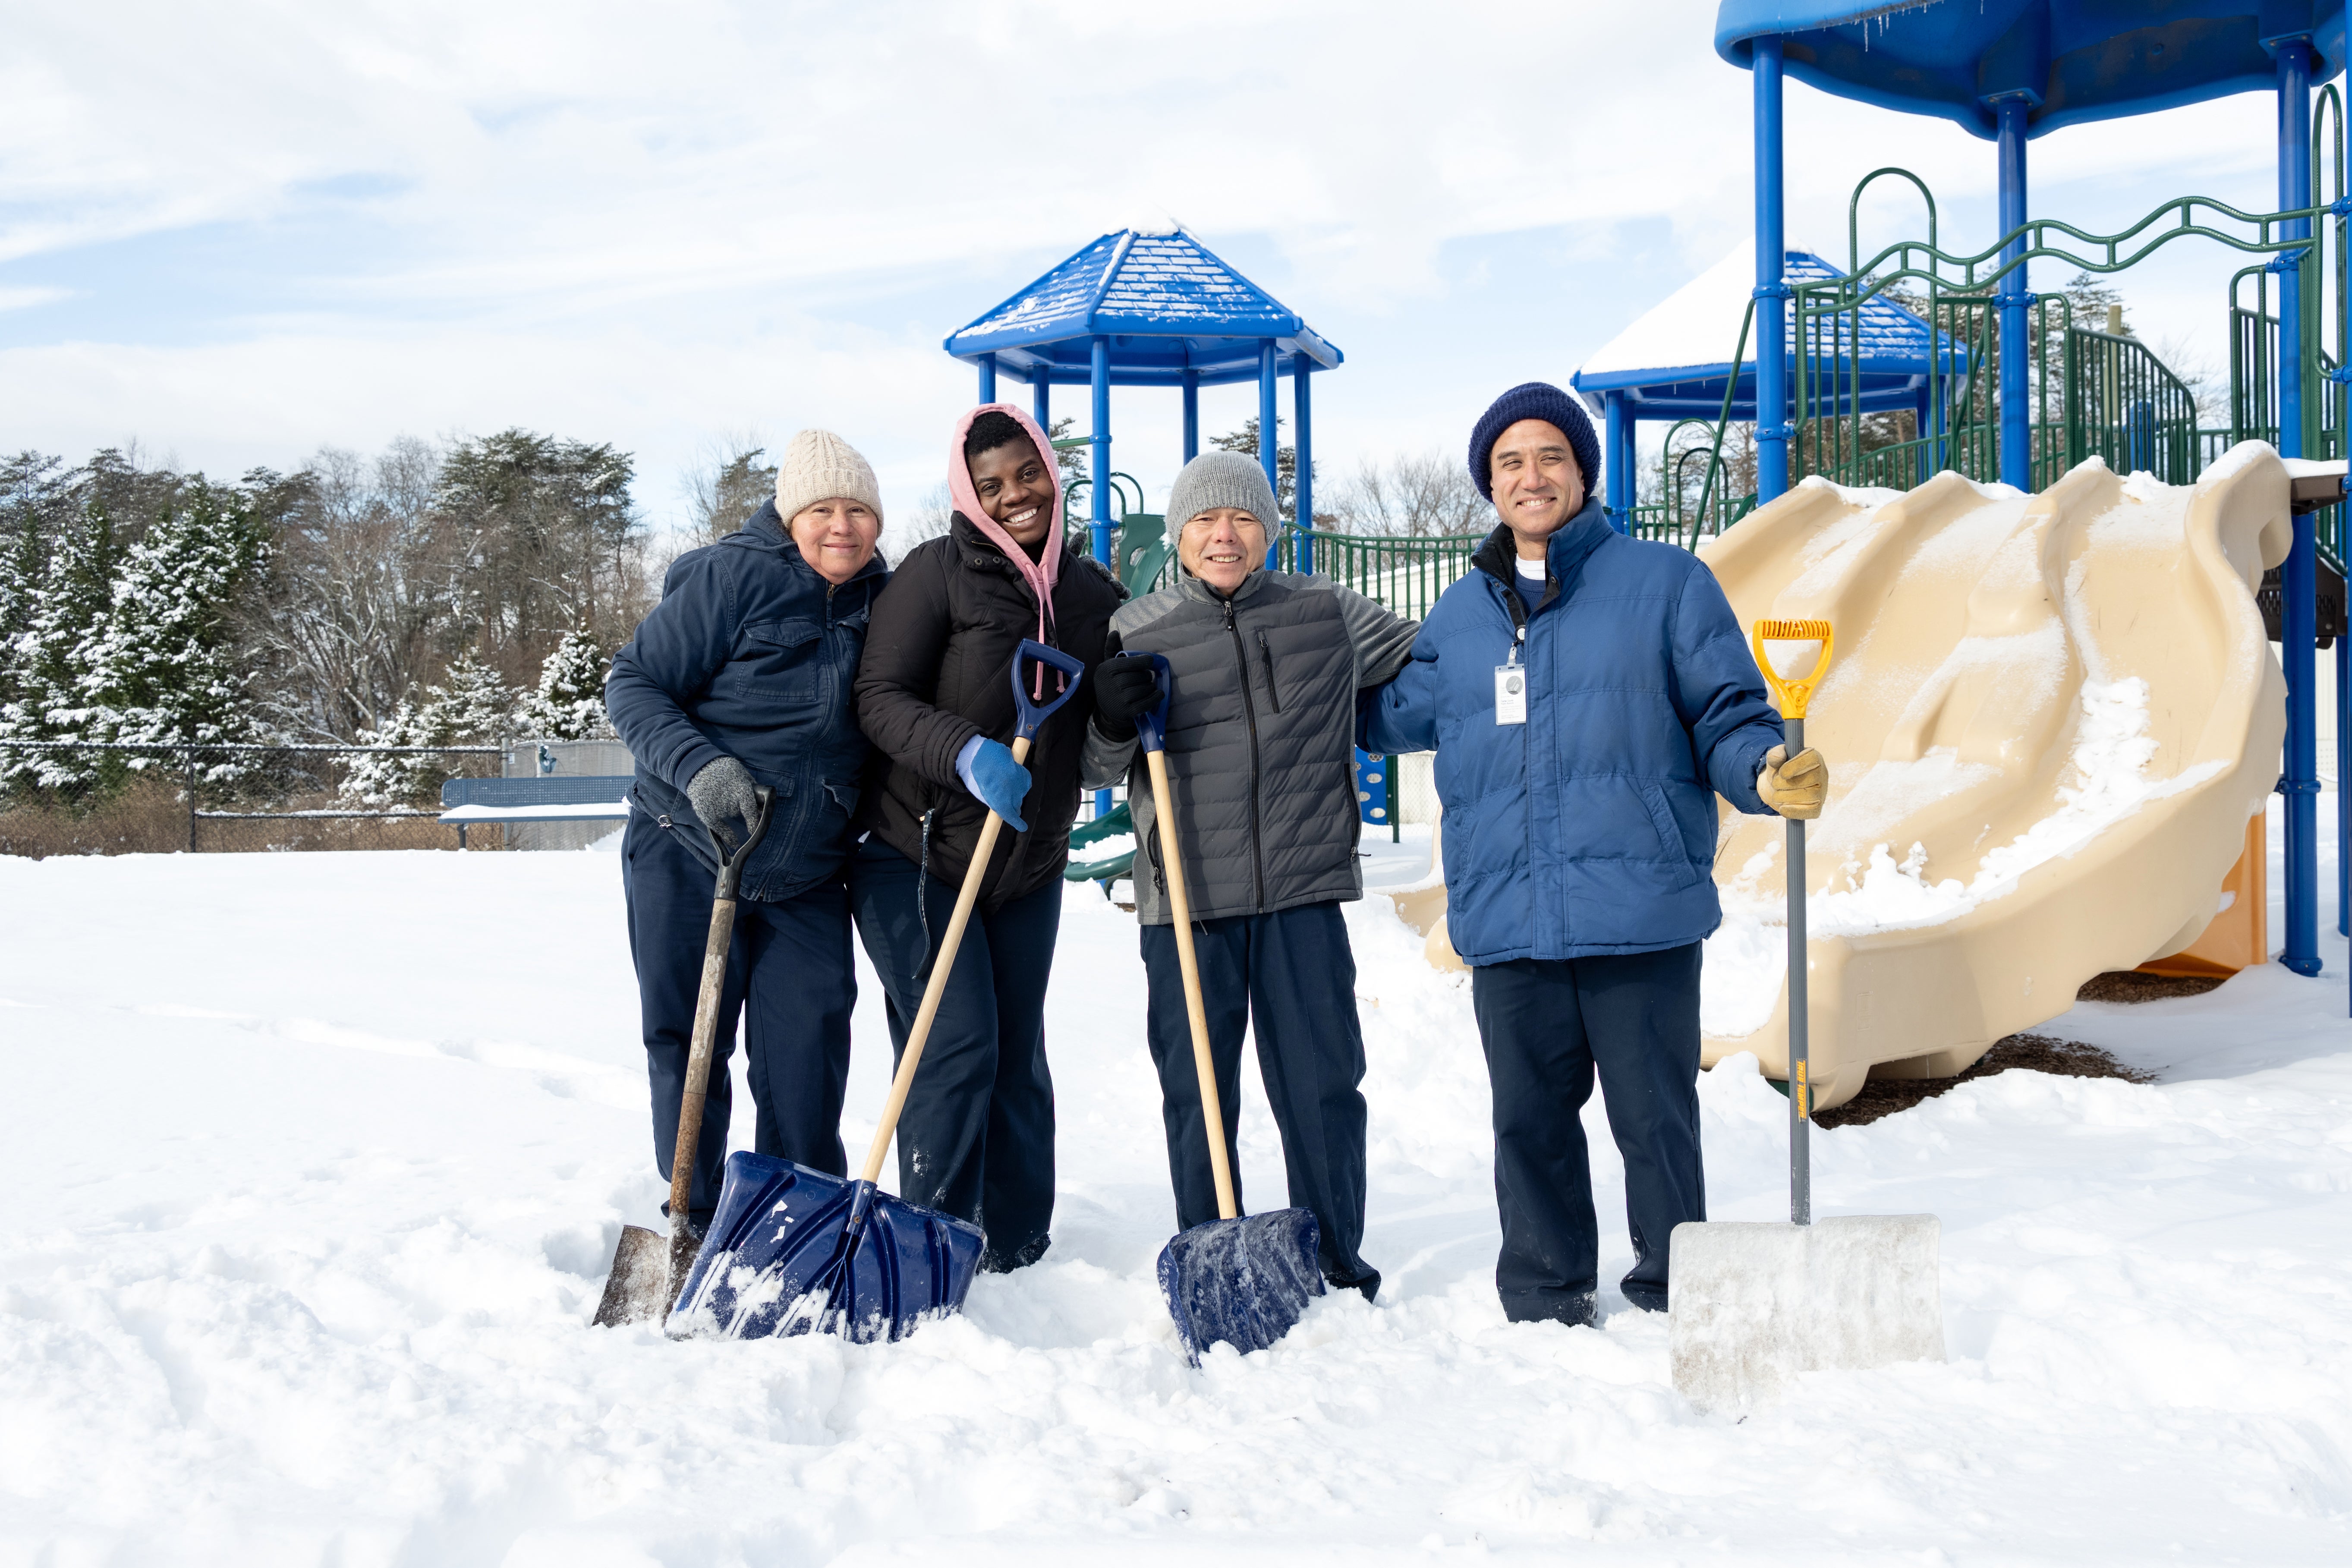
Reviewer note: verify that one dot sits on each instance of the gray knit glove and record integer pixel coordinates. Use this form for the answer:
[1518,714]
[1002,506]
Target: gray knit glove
[722,797]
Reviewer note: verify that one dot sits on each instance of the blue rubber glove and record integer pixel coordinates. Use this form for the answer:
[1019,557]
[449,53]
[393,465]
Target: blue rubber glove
[995,780]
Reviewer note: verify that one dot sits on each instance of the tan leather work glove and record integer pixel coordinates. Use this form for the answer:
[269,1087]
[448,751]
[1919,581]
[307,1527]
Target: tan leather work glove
[1794,787]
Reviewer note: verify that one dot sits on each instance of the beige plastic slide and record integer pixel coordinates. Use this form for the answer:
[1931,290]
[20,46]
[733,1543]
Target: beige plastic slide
[2048,720]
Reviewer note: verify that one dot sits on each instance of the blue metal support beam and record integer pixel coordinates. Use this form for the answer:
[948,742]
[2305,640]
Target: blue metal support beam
[2298,578]
[1099,491]
[1041,404]
[988,378]
[1615,471]
[1302,421]
[2014,301]
[1772,430]
[1268,443]
[1192,414]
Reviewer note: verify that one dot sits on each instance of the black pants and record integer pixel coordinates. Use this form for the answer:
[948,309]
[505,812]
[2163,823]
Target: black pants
[976,1139]
[1290,976]
[789,974]
[1547,1027]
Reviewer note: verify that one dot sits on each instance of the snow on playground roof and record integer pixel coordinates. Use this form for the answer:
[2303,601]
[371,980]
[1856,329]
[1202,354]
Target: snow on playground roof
[2073,61]
[1168,303]
[1681,346]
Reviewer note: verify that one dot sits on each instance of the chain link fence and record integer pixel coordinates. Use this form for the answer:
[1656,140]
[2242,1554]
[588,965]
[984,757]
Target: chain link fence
[85,798]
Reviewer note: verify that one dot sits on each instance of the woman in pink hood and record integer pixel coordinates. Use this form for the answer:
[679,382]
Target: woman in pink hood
[976,1139]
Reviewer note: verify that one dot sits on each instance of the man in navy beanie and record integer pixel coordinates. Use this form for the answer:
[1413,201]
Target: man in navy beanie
[1588,696]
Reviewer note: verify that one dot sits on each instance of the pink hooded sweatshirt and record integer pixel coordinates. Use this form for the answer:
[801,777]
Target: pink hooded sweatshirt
[1039,575]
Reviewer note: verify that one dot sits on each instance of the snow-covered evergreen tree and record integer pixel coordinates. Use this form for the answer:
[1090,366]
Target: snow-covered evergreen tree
[471,707]
[570,702]
[162,669]
[53,698]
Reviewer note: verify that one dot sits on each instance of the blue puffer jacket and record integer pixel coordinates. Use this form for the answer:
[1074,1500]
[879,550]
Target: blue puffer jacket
[749,654]
[1591,827]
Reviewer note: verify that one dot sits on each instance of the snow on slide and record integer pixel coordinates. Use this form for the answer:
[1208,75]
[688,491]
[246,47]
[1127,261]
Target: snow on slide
[314,1161]
[2048,720]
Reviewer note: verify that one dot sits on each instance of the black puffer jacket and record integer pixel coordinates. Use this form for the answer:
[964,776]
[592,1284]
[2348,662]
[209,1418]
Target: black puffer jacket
[940,639]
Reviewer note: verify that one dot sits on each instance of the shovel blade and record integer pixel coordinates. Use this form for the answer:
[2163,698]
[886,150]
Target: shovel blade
[794,1251]
[636,1290]
[1242,1282]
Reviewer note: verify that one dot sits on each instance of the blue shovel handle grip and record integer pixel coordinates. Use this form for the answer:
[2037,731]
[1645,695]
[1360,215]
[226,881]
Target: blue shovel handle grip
[1033,714]
[1151,724]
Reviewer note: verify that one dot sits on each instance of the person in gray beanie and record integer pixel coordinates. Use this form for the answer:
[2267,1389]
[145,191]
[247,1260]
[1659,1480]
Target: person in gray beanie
[741,677]
[1265,671]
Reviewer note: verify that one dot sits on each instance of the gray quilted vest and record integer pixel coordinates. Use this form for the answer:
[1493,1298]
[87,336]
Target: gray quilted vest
[1261,747]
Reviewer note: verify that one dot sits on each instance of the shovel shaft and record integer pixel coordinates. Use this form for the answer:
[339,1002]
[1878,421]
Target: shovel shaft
[1801,1089]
[937,987]
[697,1060]
[1180,908]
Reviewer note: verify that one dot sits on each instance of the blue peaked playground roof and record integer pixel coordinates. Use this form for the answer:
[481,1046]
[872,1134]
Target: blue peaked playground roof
[1167,302]
[2074,60]
[1671,362]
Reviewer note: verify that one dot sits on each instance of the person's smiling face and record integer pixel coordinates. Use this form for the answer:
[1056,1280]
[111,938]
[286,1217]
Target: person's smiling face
[1537,485]
[1222,546]
[1015,486]
[837,536]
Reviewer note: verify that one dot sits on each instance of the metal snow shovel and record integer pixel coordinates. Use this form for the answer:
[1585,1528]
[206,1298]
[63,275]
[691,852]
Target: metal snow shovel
[1244,1279]
[647,1269]
[794,1251]
[1756,1303]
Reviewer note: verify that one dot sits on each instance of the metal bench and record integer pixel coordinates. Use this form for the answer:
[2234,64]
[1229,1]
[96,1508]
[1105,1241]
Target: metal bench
[474,803]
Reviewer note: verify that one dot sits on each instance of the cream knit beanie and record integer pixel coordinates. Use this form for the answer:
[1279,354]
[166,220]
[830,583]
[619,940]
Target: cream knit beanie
[820,466]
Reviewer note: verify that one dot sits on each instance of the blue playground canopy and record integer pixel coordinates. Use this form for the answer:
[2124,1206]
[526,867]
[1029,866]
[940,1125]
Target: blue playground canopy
[2071,61]
[1172,309]
[1670,364]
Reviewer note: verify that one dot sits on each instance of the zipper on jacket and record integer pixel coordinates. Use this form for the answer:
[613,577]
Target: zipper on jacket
[1249,712]
[1265,652]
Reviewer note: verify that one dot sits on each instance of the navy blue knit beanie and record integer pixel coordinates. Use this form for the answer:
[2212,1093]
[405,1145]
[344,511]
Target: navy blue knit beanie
[1533,400]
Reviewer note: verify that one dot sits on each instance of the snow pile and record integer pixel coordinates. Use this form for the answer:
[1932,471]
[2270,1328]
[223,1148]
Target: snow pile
[1747,957]
[1110,847]
[303,1275]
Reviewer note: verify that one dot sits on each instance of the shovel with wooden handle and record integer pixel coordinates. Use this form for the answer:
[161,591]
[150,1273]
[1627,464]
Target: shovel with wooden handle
[647,1272]
[793,1249]
[1242,1280]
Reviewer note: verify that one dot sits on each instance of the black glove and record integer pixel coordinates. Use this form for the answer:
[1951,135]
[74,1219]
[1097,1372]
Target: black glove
[1124,687]
[722,794]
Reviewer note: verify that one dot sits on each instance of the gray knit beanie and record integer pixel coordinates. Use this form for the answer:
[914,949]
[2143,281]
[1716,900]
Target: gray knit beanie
[820,466]
[1220,478]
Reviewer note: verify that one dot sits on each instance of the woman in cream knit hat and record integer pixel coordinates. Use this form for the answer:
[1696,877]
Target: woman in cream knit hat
[741,677]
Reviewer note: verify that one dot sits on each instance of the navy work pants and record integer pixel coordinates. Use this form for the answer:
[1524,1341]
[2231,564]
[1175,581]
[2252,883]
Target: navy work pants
[976,1139]
[1547,1027]
[789,974]
[1290,977]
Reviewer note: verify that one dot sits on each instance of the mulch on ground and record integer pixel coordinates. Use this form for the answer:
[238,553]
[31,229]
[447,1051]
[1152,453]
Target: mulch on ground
[2034,1053]
[2130,985]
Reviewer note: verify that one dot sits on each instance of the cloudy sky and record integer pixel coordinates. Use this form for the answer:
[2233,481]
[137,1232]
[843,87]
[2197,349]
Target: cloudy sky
[241,231]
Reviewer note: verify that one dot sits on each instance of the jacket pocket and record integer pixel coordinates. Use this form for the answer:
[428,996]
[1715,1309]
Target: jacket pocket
[780,660]
[1670,838]
[1266,656]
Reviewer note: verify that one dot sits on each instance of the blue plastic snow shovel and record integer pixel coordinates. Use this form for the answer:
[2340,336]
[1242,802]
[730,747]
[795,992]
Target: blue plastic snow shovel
[792,1250]
[1241,1279]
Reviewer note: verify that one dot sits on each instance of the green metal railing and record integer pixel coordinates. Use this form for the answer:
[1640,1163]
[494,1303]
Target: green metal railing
[1404,572]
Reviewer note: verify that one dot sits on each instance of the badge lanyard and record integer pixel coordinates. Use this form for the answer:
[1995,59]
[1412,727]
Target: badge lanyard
[1511,684]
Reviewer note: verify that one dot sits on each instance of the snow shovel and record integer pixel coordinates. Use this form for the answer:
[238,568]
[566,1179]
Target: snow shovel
[1242,1280]
[1757,1303]
[646,1271]
[794,1251]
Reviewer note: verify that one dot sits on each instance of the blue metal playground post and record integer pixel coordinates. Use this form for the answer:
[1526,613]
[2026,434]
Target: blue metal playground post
[1614,471]
[2013,302]
[1099,491]
[1192,414]
[1268,448]
[2298,578]
[1302,552]
[988,378]
[1772,429]
[1041,404]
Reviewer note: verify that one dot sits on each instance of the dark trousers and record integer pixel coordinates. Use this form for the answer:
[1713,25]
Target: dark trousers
[789,974]
[1547,1027]
[976,1139]
[1292,977]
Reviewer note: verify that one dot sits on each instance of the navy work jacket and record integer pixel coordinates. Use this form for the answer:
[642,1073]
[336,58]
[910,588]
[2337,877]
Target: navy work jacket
[750,655]
[1591,829]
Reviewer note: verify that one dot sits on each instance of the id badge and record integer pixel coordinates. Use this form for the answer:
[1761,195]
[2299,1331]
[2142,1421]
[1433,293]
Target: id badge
[1510,694]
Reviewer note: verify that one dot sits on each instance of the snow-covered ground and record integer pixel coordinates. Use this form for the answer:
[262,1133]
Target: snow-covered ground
[315,1163]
